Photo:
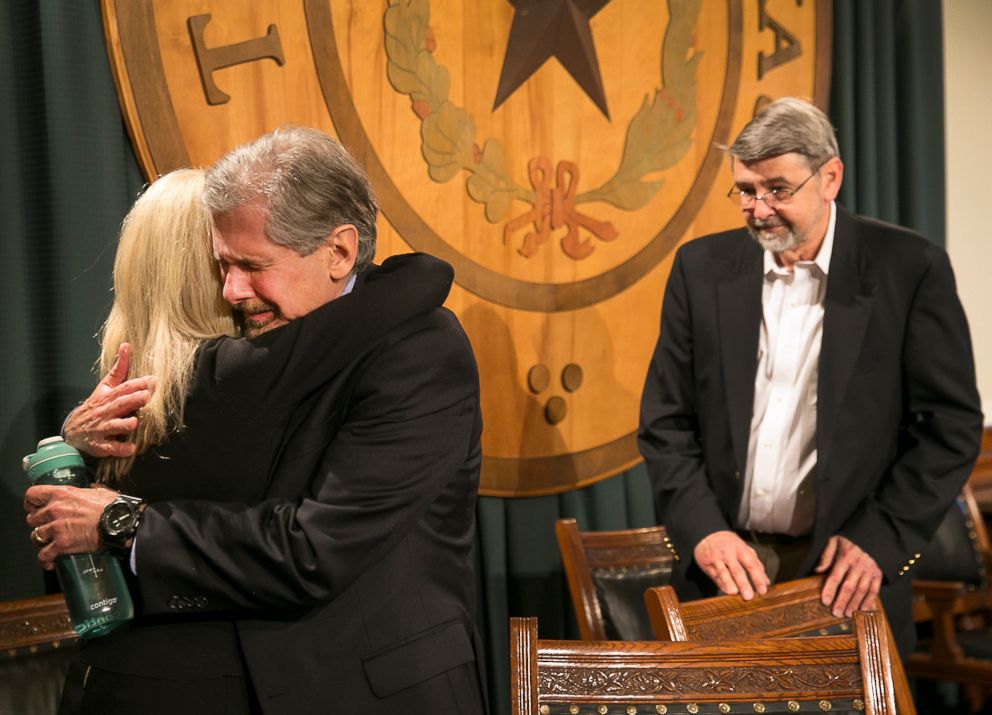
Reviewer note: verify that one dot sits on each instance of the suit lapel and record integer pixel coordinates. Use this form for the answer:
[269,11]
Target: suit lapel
[739,307]
[847,308]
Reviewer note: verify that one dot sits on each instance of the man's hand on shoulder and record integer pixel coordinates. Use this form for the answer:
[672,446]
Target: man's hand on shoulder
[854,579]
[109,412]
[732,564]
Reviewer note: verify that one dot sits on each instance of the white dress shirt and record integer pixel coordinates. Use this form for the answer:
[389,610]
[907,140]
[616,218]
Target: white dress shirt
[779,492]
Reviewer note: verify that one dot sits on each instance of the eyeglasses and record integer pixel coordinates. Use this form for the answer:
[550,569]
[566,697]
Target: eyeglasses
[772,197]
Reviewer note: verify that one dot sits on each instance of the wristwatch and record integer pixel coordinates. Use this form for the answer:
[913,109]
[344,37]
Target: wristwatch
[118,523]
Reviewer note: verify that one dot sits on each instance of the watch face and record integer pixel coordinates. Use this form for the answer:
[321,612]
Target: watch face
[118,519]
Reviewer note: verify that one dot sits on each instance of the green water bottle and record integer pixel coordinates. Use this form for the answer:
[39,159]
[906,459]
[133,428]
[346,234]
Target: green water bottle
[93,584]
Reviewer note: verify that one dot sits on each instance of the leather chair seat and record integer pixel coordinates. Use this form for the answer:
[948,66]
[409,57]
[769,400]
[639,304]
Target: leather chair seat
[976,644]
[621,597]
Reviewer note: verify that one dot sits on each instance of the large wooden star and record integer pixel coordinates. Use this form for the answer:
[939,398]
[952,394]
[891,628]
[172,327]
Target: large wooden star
[543,29]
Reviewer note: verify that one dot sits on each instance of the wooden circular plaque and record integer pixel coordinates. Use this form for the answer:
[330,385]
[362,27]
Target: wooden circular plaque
[554,152]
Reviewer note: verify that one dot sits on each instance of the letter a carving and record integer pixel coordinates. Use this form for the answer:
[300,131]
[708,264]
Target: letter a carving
[216,58]
[787,45]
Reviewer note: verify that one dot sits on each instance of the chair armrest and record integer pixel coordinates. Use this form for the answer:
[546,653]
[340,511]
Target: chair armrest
[938,602]
[935,600]
[32,622]
[939,590]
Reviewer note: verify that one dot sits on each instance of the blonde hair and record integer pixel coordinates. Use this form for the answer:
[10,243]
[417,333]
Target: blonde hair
[167,301]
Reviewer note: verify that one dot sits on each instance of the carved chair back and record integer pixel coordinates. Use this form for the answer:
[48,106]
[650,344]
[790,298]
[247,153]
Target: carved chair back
[787,610]
[36,644]
[837,674]
[608,572]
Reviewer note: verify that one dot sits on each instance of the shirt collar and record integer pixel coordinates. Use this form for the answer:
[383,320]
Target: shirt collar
[822,259]
[350,285]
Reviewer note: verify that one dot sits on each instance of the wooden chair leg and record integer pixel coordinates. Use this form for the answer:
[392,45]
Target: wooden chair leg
[975,695]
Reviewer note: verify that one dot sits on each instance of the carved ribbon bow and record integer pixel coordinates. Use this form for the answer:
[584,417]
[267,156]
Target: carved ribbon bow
[554,207]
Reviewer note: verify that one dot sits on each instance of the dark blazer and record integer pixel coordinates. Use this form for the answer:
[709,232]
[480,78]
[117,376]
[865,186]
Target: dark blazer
[334,560]
[898,418]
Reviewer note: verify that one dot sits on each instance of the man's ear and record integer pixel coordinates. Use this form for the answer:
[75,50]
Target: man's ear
[833,175]
[342,251]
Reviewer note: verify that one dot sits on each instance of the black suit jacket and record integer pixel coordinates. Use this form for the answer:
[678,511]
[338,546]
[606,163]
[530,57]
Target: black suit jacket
[898,418]
[334,560]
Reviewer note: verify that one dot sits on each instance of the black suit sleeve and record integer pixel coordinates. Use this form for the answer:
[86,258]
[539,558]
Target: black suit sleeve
[941,430]
[412,423]
[273,372]
[669,437]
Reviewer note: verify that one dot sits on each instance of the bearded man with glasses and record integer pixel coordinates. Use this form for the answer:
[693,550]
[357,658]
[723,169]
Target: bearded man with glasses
[811,403]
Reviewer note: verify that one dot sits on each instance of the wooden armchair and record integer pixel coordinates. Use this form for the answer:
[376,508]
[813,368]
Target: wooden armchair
[837,674]
[608,572]
[953,602]
[788,610]
[36,644]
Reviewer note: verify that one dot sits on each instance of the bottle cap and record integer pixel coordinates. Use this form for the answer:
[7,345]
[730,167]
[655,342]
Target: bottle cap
[52,453]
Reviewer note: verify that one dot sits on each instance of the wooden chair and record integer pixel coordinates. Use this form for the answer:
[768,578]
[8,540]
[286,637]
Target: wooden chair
[36,644]
[980,481]
[836,674]
[608,572]
[787,610]
[953,601]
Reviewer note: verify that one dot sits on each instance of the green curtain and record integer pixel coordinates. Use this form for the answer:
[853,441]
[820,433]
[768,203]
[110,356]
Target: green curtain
[887,103]
[68,176]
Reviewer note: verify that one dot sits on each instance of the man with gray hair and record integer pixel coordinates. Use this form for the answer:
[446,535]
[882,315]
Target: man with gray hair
[811,403]
[340,579]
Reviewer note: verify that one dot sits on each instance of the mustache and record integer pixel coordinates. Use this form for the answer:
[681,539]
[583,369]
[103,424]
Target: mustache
[770,222]
[252,328]
[248,307]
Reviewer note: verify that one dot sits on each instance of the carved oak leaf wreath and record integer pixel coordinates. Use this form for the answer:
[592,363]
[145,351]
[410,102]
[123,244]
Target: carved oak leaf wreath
[658,136]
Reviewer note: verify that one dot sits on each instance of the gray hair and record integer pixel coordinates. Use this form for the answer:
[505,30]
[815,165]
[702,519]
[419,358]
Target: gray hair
[308,184]
[788,125]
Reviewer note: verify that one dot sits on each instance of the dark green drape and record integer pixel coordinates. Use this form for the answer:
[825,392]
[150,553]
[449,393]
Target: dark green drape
[887,103]
[68,176]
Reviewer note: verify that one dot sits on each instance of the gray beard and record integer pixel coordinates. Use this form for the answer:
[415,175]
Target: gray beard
[787,242]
